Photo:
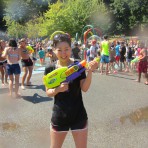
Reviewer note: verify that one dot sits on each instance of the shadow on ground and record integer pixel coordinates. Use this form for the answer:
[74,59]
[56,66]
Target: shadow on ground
[42,87]
[36,98]
[117,76]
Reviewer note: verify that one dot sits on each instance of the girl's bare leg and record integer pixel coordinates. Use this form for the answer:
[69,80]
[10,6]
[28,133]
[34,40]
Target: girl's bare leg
[6,76]
[80,138]
[2,74]
[139,76]
[146,76]
[16,84]
[10,84]
[30,68]
[101,68]
[25,70]
[57,138]
[107,68]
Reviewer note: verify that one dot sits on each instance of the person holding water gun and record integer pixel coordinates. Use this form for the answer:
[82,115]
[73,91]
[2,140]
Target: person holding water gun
[68,111]
[26,62]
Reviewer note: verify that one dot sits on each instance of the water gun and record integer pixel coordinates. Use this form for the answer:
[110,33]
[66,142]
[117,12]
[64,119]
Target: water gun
[135,60]
[65,74]
[30,49]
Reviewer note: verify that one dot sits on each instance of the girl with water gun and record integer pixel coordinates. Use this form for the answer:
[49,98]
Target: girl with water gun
[68,111]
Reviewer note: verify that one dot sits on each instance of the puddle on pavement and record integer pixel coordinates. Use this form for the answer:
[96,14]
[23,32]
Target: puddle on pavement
[9,126]
[137,116]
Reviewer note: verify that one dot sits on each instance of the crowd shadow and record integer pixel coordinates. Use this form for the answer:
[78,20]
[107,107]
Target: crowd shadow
[36,98]
[118,74]
[122,77]
[42,87]
[125,73]
[39,70]
[136,116]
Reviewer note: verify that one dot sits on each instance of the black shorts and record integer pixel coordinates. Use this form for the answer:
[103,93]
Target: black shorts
[26,62]
[122,59]
[73,127]
[3,62]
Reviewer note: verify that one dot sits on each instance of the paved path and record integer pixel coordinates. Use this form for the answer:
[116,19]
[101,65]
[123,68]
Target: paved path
[117,108]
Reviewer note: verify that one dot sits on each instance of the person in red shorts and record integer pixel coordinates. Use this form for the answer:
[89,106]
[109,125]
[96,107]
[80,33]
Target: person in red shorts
[143,64]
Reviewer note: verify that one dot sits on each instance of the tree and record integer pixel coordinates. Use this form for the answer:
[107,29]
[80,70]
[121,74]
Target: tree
[22,11]
[2,22]
[19,12]
[15,30]
[72,15]
[128,15]
[34,28]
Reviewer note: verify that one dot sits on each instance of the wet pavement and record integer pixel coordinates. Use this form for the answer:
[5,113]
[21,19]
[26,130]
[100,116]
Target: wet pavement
[117,108]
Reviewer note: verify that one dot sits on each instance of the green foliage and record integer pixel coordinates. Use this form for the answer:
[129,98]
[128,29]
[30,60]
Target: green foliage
[39,18]
[69,16]
[24,10]
[128,15]
[33,27]
[16,30]
[20,13]
[72,15]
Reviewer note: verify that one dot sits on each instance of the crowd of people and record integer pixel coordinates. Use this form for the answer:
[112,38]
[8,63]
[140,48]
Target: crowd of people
[119,56]
[116,56]
[16,58]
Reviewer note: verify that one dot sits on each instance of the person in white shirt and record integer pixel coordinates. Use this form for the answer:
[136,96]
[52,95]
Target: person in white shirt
[93,50]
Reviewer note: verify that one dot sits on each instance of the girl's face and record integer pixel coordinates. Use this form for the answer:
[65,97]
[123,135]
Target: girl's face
[63,52]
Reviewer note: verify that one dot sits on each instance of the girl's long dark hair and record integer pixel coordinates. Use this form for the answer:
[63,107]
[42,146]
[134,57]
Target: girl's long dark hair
[12,43]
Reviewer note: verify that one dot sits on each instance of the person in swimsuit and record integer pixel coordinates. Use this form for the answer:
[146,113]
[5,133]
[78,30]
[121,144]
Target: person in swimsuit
[3,63]
[68,110]
[27,64]
[12,53]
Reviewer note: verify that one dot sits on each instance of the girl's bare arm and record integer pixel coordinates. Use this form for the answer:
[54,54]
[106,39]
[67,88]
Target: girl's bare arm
[4,54]
[85,83]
